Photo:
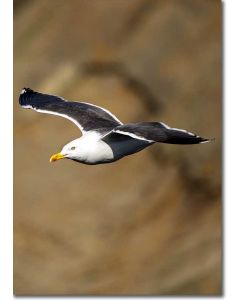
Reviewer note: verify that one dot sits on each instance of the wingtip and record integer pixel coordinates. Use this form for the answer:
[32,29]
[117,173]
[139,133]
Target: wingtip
[23,97]
[26,90]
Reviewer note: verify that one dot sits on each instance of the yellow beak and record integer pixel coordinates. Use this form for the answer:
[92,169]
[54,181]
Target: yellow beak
[56,157]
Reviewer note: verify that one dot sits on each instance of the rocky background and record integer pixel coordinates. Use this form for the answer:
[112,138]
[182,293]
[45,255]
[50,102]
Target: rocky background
[149,224]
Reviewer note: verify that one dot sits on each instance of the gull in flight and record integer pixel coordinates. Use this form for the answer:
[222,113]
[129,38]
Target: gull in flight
[104,138]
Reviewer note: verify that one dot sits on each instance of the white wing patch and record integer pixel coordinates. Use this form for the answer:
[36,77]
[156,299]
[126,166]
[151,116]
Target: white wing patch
[64,116]
[173,128]
[133,135]
[56,114]
[28,106]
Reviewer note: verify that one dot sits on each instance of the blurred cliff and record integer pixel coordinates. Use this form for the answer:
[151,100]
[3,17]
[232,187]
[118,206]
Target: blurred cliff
[149,224]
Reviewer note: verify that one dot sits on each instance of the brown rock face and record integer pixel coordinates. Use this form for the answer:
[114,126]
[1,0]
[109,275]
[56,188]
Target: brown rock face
[149,224]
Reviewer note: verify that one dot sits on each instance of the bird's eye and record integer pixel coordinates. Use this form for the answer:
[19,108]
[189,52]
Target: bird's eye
[73,148]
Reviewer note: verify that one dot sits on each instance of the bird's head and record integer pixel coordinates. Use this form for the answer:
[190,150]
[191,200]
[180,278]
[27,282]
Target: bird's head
[71,150]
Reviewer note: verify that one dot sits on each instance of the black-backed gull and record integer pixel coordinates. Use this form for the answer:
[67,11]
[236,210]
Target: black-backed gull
[104,138]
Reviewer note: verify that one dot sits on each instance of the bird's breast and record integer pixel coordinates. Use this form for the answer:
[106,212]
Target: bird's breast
[98,152]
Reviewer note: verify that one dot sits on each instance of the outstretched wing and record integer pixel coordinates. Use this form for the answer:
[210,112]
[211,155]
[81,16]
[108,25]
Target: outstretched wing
[87,117]
[157,132]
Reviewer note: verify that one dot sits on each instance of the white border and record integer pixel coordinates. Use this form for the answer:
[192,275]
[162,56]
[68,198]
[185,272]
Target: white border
[231,151]
[6,149]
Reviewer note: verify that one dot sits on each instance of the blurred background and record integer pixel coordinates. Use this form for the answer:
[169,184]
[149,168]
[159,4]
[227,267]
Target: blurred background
[149,224]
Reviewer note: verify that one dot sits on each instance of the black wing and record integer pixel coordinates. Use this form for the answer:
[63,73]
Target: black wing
[86,116]
[157,132]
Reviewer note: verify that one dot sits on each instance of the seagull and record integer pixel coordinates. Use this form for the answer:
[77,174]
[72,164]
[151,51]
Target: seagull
[104,138]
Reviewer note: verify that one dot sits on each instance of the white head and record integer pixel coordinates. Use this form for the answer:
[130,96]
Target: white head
[72,150]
